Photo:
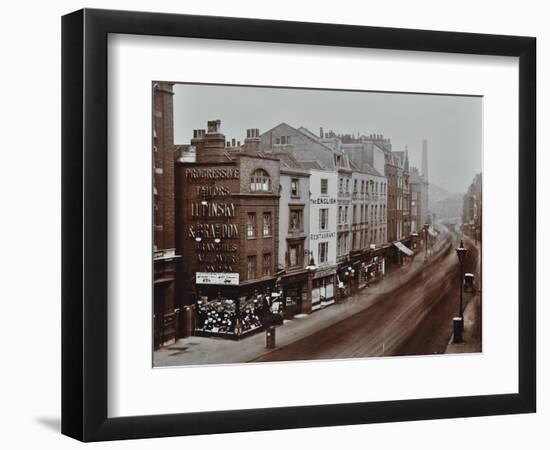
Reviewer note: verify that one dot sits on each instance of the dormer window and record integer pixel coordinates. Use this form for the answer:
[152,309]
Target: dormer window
[260,181]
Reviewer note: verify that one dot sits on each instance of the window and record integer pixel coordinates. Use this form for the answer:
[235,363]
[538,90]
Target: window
[340,214]
[267,265]
[355,186]
[267,224]
[295,255]
[323,252]
[323,219]
[251,267]
[295,222]
[341,185]
[260,181]
[282,140]
[354,214]
[347,186]
[251,225]
[362,186]
[346,215]
[324,186]
[295,187]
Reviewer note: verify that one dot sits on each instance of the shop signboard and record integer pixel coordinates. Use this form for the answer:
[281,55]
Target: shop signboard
[222,278]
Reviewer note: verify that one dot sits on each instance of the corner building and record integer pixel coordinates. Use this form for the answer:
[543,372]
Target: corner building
[227,212]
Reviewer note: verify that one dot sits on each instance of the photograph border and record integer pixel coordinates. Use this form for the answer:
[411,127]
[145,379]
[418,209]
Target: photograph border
[84,224]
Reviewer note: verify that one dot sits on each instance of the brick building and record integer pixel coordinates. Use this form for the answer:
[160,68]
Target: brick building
[227,219]
[165,314]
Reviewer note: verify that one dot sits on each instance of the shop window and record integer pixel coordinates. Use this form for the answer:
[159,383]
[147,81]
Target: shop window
[251,267]
[260,181]
[251,225]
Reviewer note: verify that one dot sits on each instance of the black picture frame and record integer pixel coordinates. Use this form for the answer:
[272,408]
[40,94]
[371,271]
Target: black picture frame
[84,224]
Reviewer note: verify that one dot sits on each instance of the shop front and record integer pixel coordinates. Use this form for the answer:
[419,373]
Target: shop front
[404,253]
[348,276]
[374,269]
[233,311]
[324,288]
[294,293]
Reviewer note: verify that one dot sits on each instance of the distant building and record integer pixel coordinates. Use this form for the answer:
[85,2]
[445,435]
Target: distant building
[368,209]
[472,209]
[424,194]
[403,195]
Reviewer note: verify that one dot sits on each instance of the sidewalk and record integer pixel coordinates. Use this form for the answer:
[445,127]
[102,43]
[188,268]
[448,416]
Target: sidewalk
[196,350]
[472,321]
[472,330]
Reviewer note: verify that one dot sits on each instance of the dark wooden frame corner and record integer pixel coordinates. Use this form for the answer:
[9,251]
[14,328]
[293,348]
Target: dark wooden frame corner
[84,224]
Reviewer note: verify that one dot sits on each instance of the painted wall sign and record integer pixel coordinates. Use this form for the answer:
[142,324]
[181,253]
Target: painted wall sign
[328,234]
[212,191]
[215,173]
[323,201]
[215,230]
[213,209]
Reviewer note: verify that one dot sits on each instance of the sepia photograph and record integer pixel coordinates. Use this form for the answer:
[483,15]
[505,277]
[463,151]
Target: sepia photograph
[294,224]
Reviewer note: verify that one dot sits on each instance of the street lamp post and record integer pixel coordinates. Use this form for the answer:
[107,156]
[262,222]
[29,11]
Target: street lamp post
[458,322]
[311,267]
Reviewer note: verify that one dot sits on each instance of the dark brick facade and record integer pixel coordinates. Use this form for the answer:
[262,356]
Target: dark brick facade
[164,256]
[227,207]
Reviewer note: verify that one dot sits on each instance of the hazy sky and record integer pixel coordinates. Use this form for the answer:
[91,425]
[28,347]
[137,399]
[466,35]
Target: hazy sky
[451,124]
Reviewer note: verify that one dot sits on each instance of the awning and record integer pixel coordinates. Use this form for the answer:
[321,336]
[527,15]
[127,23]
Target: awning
[403,248]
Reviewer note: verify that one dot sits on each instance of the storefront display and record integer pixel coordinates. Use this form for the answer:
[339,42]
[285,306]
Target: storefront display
[237,318]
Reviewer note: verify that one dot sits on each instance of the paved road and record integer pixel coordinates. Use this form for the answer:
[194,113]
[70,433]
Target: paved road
[413,319]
